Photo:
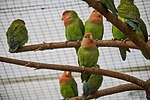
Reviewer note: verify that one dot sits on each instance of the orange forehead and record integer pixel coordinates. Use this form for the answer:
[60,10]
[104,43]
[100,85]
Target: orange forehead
[88,34]
[94,10]
[65,12]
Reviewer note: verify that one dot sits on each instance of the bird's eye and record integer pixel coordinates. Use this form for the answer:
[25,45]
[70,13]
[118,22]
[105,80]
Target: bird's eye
[86,36]
[65,12]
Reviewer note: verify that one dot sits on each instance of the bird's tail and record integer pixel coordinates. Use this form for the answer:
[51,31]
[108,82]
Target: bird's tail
[13,46]
[123,53]
[83,98]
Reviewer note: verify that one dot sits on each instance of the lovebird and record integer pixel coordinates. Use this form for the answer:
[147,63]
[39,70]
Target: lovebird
[109,4]
[74,28]
[92,85]
[117,34]
[17,35]
[87,54]
[68,86]
[95,25]
[129,14]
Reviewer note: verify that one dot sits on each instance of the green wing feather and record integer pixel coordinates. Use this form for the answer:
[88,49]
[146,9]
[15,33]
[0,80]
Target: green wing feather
[69,89]
[87,57]
[74,87]
[117,34]
[94,83]
[110,5]
[143,28]
[97,30]
[75,30]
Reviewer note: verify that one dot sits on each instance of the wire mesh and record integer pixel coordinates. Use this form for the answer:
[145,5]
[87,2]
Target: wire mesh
[43,21]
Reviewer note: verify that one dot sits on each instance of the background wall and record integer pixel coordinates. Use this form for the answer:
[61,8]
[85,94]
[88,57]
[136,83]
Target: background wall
[43,21]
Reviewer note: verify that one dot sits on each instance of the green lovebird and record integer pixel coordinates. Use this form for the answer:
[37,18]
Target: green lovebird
[74,27]
[129,14]
[117,34]
[109,4]
[95,25]
[68,86]
[92,85]
[17,35]
[87,54]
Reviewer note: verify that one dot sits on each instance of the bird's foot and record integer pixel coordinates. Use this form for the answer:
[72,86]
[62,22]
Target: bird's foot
[96,39]
[113,39]
[124,40]
[83,67]
[66,42]
[44,42]
[78,41]
[93,69]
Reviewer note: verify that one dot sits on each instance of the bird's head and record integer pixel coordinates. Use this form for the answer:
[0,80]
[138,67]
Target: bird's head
[67,14]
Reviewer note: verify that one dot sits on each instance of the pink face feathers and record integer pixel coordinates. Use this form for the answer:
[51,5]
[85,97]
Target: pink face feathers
[88,40]
[96,17]
[66,17]
[65,77]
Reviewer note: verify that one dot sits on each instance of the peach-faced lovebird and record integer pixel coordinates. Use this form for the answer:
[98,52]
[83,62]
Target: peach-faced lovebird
[109,4]
[74,27]
[92,85]
[95,25]
[129,14]
[87,54]
[68,86]
[17,35]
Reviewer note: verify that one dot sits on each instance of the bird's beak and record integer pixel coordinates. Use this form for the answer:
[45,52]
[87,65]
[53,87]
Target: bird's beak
[67,73]
[91,37]
[62,18]
[99,14]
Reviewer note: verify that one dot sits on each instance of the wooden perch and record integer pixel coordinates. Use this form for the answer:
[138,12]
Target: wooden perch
[56,45]
[109,91]
[127,30]
[37,65]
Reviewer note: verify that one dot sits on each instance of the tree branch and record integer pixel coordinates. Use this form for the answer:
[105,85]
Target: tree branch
[147,87]
[37,65]
[109,91]
[56,45]
[121,26]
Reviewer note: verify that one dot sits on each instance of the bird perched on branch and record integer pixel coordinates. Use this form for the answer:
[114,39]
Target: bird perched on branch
[129,14]
[68,86]
[17,35]
[95,25]
[117,34]
[74,27]
[87,54]
[92,84]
